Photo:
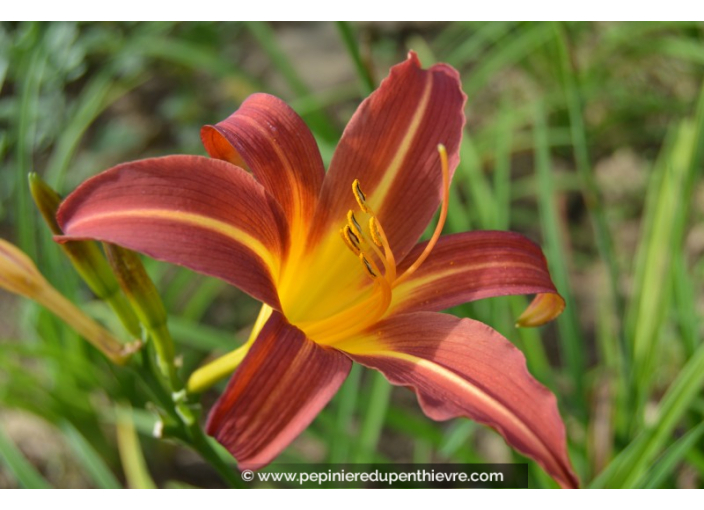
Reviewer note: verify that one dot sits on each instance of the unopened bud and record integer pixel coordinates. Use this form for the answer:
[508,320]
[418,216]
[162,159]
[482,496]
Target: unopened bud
[136,285]
[85,256]
[19,275]
[147,304]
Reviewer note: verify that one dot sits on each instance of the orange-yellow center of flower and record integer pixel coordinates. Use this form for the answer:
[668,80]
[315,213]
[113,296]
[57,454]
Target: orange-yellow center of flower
[367,240]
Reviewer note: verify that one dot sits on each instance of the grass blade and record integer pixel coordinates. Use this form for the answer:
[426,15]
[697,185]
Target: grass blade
[628,468]
[133,461]
[667,210]
[94,466]
[373,423]
[568,323]
[672,456]
[19,466]
[265,36]
[350,40]
[590,190]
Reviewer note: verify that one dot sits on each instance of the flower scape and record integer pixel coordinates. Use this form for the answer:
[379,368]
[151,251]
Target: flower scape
[334,257]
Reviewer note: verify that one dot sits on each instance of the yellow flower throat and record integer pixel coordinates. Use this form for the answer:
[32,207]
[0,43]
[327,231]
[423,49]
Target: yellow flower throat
[367,240]
[307,297]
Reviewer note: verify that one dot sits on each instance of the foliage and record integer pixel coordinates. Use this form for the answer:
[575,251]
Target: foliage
[586,137]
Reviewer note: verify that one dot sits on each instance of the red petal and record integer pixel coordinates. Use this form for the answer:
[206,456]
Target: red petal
[477,265]
[204,214]
[461,367]
[276,145]
[283,383]
[390,145]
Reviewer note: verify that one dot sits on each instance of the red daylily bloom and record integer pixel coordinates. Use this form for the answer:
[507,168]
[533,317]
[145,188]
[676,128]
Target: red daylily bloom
[334,259]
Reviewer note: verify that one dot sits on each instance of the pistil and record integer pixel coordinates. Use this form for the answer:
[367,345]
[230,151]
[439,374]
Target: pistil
[441,221]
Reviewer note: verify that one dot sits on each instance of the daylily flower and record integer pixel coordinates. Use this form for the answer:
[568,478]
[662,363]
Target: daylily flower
[335,260]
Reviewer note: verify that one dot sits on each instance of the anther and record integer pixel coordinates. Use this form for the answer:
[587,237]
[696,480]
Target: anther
[354,224]
[360,196]
[351,240]
[387,257]
[367,265]
[353,237]
[374,231]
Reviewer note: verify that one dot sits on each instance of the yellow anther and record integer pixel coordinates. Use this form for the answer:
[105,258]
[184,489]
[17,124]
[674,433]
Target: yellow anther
[354,238]
[360,196]
[377,234]
[350,239]
[374,231]
[369,266]
[380,239]
[354,224]
[374,254]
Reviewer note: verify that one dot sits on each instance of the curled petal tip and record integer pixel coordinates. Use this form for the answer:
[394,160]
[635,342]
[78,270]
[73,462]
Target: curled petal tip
[543,309]
[461,367]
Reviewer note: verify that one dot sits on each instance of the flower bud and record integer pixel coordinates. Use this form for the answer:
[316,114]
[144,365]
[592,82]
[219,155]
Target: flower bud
[19,275]
[146,302]
[85,256]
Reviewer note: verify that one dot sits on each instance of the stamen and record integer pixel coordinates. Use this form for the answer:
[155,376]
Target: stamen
[360,196]
[354,224]
[358,239]
[372,307]
[353,237]
[384,286]
[350,239]
[368,265]
[374,231]
[380,238]
[441,221]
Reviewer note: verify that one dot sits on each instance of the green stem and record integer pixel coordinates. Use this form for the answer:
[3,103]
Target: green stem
[201,444]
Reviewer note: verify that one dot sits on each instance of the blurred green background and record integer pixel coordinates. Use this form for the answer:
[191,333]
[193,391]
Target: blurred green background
[587,137]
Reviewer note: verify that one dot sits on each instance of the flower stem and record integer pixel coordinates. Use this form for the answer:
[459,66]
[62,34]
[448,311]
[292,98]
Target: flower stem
[201,444]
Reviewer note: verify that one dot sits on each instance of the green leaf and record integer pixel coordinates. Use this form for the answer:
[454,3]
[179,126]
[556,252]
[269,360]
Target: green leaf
[19,466]
[94,466]
[133,462]
[667,463]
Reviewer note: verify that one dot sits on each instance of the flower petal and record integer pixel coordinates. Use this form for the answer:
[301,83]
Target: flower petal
[476,265]
[391,146]
[204,214]
[461,367]
[266,136]
[283,383]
